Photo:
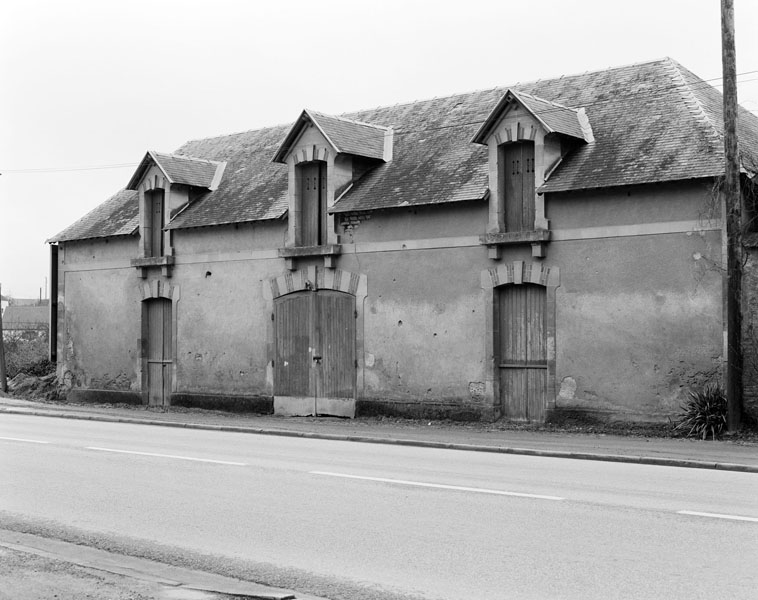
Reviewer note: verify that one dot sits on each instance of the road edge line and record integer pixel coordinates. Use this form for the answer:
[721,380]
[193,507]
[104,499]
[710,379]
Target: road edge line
[617,458]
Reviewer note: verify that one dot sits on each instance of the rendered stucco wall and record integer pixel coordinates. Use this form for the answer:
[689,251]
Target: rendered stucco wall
[98,316]
[638,307]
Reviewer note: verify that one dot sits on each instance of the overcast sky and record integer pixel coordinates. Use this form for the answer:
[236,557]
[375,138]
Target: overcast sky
[88,86]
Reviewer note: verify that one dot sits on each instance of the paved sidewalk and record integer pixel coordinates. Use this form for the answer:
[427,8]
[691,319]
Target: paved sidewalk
[724,455]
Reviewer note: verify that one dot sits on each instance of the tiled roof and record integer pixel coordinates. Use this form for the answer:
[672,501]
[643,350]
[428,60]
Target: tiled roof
[558,118]
[345,135]
[252,188]
[654,121]
[119,215]
[196,172]
[433,159]
[25,317]
[352,137]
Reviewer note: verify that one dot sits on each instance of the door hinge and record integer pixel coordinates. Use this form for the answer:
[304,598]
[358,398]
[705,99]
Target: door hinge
[355,313]
[356,363]
[272,316]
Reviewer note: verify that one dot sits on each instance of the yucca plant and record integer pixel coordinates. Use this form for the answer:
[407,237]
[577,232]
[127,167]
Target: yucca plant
[704,413]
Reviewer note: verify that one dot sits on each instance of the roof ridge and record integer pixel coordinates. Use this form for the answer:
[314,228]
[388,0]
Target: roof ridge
[694,105]
[515,85]
[186,157]
[541,99]
[346,120]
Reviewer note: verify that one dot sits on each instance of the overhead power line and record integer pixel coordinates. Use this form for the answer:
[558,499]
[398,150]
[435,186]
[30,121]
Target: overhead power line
[68,169]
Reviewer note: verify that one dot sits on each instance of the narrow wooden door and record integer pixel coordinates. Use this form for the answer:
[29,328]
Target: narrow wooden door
[518,170]
[523,351]
[314,364]
[312,203]
[159,351]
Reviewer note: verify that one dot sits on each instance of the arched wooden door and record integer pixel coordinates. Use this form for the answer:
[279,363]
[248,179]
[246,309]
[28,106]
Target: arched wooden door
[314,364]
[523,351]
[158,351]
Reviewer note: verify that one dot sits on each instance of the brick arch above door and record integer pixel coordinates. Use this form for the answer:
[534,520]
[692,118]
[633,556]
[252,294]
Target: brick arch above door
[518,272]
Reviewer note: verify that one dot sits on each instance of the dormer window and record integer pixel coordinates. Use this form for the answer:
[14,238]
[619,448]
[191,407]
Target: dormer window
[325,156]
[166,183]
[527,137]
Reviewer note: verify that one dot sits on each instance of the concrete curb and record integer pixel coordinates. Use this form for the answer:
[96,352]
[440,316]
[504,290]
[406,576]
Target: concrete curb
[618,458]
[178,578]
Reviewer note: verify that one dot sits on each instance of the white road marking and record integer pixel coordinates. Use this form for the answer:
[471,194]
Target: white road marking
[208,460]
[439,486]
[717,516]
[23,440]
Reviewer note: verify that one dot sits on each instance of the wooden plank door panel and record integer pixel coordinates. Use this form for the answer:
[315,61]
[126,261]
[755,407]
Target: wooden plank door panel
[292,365]
[523,351]
[513,170]
[311,202]
[156,222]
[336,344]
[527,187]
[518,182]
[159,351]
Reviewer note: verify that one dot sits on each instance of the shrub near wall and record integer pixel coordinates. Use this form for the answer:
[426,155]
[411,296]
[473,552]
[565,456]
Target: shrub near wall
[27,356]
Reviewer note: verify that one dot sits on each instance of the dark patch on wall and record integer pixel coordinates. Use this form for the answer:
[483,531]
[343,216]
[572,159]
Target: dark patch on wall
[263,405]
[91,396]
[368,407]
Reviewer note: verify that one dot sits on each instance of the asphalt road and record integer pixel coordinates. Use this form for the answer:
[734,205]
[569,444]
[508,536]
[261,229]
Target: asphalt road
[347,520]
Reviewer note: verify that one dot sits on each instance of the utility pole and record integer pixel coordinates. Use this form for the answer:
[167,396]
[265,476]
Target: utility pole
[732,203]
[3,379]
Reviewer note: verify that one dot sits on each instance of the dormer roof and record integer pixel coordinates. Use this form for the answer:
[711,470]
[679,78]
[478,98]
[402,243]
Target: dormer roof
[197,172]
[554,117]
[343,135]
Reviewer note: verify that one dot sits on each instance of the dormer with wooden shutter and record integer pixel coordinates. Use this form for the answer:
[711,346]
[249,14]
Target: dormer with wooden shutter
[167,184]
[325,155]
[527,137]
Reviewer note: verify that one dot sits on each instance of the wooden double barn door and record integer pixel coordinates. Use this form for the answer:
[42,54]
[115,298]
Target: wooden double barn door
[314,366]
[158,351]
[523,351]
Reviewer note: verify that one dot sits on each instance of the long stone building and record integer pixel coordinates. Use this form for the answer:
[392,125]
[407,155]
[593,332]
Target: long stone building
[516,252]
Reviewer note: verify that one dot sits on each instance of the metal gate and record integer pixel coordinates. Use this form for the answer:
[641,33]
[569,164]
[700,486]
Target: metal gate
[314,365]
[523,351]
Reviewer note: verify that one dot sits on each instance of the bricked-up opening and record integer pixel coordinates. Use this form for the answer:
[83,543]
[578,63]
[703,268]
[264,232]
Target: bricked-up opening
[516,184]
[311,200]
